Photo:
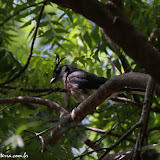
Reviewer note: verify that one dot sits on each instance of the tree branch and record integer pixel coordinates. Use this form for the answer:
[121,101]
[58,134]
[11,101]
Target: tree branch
[5,107]
[153,129]
[114,127]
[124,62]
[146,108]
[37,135]
[135,80]
[34,100]
[120,140]
[144,116]
[105,91]
[114,65]
[129,101]
[144,119]
[34,90]
[59,131]
[109,133]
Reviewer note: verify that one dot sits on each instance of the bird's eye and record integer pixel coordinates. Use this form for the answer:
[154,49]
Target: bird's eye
[56,72]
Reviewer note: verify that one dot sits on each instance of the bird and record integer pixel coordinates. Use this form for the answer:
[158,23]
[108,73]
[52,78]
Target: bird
[80,83]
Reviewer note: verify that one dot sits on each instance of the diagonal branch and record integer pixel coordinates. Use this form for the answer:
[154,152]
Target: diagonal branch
[113,65]
[134,80]
[120,140]
[89,105]
[124,62]
[110,133]
[114,127]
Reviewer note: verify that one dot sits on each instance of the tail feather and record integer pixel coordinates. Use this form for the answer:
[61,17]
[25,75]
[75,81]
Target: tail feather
[140,91]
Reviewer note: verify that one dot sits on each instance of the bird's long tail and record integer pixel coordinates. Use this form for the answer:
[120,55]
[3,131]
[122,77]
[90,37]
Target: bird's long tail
[140,91]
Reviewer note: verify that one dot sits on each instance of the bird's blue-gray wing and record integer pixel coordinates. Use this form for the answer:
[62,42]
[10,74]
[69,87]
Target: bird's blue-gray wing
[86,80]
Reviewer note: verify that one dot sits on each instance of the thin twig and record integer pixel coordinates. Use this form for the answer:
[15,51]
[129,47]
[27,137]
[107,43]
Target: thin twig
[122,58]
[120,140]
[117,51]
[33,90]
[114,65]
[114,127]
[31,50]
[153,129]
[112,146]
[109,107]
[88,153]
[88,142]
[51,91]
[153,35]
[37,134]
[111,133]
[129,101]
[6,107]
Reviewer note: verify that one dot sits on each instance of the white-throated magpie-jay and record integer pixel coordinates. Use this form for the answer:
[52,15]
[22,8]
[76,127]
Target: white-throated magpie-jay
[80,83]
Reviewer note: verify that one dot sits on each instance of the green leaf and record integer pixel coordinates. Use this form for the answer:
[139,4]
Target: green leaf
[59,30]
[26,24]
[43,24]
[68,12]
[87,38]
[95,35]
[56,23]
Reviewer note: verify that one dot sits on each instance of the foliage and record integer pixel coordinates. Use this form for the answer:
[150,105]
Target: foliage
[82,43]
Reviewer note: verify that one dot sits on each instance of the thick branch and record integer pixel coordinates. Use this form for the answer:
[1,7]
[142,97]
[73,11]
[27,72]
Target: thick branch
[135,80]
[105,91]
[119,28]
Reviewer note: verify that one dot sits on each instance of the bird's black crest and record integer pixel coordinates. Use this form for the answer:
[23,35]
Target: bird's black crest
[58,61]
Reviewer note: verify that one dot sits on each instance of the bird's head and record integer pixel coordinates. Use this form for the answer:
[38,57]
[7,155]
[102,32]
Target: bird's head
[59,71]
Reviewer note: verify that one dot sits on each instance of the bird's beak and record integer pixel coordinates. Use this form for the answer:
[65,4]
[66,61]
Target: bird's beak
[52,80]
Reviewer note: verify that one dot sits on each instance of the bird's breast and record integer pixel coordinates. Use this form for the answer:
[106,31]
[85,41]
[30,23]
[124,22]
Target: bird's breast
[78,94]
